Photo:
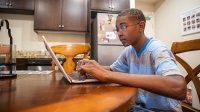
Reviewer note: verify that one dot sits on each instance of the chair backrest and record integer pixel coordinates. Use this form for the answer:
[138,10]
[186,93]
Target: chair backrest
[70,51]
[181,47]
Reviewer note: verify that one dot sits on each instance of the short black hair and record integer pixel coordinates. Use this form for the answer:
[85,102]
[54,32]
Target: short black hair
[138,14]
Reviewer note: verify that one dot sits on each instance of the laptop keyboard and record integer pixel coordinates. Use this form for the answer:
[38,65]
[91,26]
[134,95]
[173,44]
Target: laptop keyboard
[77,76]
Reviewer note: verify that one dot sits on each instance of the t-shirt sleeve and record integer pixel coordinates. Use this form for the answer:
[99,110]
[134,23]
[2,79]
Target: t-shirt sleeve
[165,63]
[120,65]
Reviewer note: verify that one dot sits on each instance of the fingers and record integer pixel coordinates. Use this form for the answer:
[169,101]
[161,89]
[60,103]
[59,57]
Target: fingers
[82,72]
[85,65]
[82,62]
[80,65]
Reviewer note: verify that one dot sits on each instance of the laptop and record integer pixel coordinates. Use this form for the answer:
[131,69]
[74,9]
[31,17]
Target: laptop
[75,77]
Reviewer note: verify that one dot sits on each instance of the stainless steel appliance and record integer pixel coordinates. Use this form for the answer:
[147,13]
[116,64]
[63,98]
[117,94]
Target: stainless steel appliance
[39,64]
[107,46]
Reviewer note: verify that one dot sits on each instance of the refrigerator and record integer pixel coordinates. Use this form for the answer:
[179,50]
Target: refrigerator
[106,43]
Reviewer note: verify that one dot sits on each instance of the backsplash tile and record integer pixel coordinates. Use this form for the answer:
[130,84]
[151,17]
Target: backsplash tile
[39,54]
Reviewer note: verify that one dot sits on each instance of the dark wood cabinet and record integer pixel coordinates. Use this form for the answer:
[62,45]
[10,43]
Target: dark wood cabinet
[61,15]
[17,6]
[22,4]
[74,15]
[100,4]
[4,3]
[119,5]
[21,64]
[110,5]
[48,15]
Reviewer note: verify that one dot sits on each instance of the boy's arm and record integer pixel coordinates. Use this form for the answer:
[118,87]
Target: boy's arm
[173,85]
[107,68]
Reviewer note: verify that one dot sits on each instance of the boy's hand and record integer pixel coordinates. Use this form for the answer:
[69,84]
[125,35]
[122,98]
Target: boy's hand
[78,67]
[93,68]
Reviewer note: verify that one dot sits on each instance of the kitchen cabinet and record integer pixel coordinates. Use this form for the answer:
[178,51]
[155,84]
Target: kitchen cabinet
[7,5]
[22,4]
[110,5]
[61,15]
[74,15]
[4,4]
[21,64]
[47,15]
[100,4]
[35,63]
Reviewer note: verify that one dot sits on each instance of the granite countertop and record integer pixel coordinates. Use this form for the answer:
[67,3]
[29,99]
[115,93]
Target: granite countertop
[39,54]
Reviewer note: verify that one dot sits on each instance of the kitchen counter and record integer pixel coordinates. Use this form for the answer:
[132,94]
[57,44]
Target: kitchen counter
[32,60]
[35,63]
[40,54]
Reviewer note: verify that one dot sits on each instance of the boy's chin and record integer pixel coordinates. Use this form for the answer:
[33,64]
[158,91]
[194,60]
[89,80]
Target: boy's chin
[125,44]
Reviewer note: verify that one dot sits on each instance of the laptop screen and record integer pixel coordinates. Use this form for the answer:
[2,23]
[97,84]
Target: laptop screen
[55,59]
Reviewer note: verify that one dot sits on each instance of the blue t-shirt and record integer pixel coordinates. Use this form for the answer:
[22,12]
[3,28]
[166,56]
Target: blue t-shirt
[154,58]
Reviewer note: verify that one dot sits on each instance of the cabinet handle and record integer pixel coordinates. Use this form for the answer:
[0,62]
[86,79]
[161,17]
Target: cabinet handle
[110,5]
[10,4]
[59,26]
[63,26]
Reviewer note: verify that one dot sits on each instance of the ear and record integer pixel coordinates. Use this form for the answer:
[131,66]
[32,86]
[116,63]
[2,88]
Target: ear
[142,26]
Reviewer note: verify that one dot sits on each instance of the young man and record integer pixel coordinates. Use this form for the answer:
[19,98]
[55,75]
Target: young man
[145,63]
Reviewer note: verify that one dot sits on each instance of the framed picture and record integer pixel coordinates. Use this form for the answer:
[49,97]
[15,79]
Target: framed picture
[190,21]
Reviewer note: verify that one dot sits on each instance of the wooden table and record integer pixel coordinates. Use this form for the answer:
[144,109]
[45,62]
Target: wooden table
[52,93]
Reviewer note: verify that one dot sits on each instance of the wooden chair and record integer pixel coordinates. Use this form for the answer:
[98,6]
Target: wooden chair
[181,47]
[70,51]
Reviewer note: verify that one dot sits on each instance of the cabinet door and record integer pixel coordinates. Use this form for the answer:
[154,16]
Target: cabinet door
[108,5]
[119,5]
[100,4]
[22,64]
[22,4]
[47,14]
[74,15]
[4,3]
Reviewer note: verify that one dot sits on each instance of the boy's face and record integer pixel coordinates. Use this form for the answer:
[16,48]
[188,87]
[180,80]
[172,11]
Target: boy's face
[129,30]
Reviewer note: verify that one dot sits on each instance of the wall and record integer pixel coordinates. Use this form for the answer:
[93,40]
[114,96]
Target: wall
[25,38]
[168,28]
[144,6]
[148,10]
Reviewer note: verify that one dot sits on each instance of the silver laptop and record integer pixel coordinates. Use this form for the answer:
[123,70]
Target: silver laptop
[75,78]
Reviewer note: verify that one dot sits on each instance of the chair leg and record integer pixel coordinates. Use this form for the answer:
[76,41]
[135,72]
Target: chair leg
[69,65]
[53,66]
[85,56]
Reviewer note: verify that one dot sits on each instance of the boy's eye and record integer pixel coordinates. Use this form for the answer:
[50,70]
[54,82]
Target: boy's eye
[123,26]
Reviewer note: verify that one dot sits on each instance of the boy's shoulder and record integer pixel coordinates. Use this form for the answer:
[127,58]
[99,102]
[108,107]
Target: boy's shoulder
[156,45]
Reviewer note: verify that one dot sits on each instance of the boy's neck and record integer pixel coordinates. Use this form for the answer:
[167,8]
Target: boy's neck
[140,43]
